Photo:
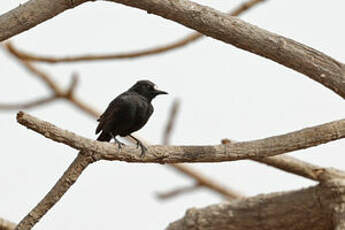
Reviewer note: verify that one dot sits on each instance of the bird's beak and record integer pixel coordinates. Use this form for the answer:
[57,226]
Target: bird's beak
[158,92]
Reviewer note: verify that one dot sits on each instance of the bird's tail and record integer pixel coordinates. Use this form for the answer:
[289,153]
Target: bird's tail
[104,137]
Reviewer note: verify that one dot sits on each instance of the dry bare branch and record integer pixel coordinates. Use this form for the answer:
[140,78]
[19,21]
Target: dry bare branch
[28,105]
[70,97]
[6,225]
[177,191]
[309,208]
[30,14]
[54,195]
[271,146]
[200,179]
[167,132]
[301,168]
[232,30]
[129,55]
[286,163]
[297,167]
[226,192]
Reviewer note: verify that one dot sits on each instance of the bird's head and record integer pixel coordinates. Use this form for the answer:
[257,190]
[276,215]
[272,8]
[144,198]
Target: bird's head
[147,89]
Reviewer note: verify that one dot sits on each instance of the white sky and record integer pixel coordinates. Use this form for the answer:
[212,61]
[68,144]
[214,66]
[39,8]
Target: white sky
[225,92]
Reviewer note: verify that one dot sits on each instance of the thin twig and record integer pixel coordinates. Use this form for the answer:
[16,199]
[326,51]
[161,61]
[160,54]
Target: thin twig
[200,179]
[28,105]
[177,191]
[170,125]
[129,55]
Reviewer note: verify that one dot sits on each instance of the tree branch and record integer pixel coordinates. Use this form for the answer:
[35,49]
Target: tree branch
[55,194]
[201,180]
[296,210]
[6,225]
[28,105]
[232,30]
[177,191]
[129,55]
[271,146]
[297,167]
[32,13]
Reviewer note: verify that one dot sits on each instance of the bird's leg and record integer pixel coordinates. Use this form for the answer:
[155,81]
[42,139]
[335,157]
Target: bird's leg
[141,145]
[119,143]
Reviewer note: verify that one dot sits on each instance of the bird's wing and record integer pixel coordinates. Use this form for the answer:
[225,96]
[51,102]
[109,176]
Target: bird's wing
[115,112]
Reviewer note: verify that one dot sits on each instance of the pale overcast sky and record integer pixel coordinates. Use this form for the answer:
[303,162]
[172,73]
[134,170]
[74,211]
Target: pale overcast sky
[224,92]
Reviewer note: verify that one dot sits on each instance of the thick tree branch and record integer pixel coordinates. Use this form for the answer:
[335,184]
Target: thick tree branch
[297,167]
[232,30]
[6,225]
[296,210]
[129,55]
[271,146]
[54,195]
[32,13]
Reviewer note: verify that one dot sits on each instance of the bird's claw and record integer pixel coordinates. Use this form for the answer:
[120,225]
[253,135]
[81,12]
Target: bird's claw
[119,144]
[143,150]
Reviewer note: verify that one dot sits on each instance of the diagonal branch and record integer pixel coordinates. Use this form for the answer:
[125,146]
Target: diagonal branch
[54,195]
[30,14]
[271,146]
[129,55]
[177,191]
[201,180]
[6,225]
[232,30]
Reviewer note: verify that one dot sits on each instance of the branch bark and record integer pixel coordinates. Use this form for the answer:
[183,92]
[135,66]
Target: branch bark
[32,13]
[6,225]
[271,146]
[232,30]
[310,208]
[54,195]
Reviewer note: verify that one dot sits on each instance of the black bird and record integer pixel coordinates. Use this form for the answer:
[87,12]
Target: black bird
[128,113]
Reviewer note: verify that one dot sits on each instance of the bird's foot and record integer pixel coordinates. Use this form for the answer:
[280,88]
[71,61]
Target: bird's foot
[119,143]
[143,149]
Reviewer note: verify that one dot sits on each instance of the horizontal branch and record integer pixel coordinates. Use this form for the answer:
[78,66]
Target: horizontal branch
[177,154]
[309,208]
[32,13]
[232,30]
